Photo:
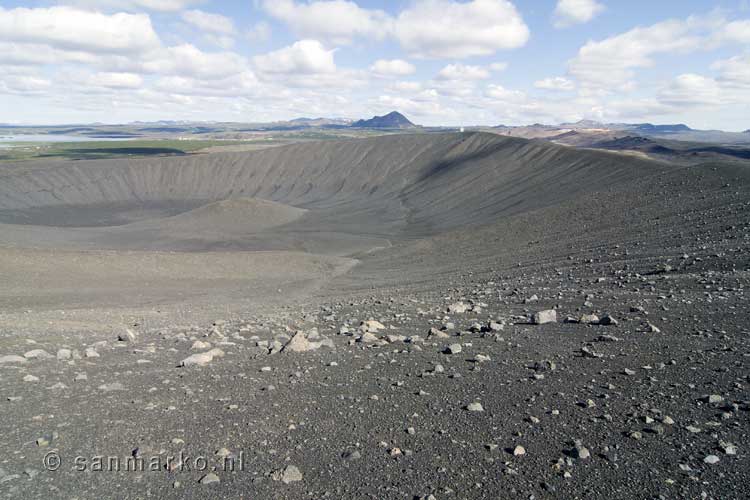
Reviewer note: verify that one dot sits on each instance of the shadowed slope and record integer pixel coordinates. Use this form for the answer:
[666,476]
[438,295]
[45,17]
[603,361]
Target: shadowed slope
[389,187]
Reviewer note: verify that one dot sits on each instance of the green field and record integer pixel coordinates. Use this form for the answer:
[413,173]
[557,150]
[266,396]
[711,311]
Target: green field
[113,149]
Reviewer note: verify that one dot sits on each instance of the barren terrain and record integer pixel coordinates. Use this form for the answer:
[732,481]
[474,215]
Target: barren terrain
[408,316]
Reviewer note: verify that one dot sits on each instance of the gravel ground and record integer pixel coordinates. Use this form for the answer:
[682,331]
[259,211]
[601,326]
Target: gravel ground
[592,347]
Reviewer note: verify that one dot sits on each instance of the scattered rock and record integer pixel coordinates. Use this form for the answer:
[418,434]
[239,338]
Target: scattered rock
[371,326]
[608,321]
[589,319]
[453,349]
[458,308]
[711,459]
[434,333]
[475,407]
[547,316]
[290,474]
[209,478]
[12,359]
[37,353]
[127,335]
[203,358]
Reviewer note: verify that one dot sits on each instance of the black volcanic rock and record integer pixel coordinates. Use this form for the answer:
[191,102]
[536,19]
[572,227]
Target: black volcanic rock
[393,119]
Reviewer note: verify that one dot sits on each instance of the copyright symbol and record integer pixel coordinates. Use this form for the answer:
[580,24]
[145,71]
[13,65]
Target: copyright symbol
[52,461]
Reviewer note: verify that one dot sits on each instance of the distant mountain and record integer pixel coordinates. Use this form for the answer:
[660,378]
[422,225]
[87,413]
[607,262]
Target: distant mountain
[318,122]
[393,119]
[650,128]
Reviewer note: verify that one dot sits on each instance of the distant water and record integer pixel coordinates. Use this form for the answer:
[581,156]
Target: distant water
[7,141]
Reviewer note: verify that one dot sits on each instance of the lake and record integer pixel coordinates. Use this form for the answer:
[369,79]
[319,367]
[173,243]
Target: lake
[7,141]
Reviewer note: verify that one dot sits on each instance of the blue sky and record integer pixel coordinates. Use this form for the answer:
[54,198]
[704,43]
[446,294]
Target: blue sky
[441,62]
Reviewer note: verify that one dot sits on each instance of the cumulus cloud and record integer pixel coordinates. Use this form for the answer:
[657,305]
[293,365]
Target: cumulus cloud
[556,83]
[209,22]
[241,84]
[447,29]
[393,67]
[426,29]
[131,5]
[570,12]
[734,72]
[736,31]
[609,64]
[691,90]
[116,80]
[338,21]
[259,32]
[462,72]
[23,84]
[68,28]
[500,93]
[33,54]
[303,57]
[187,60]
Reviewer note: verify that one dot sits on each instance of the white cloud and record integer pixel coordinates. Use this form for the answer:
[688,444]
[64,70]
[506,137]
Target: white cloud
[411,106]
[463,72]
[23,84]
[556,83]
[570,12]
[691,90]
[131,5]
[500,93]
[189,61]
[609,64]
[427,29]
[303,57]
[393,67]
[241,84]
[499,66]
[448,29]
[116,80]
[735,72]
[66,28]
[30,54]
[406,86]
[736,31]
[209,22]
[338,21]
[259,32]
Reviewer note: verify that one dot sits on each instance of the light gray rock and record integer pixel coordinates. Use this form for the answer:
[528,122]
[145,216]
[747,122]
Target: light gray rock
[37,354]
[203,358]
[546,316]
[209,478]
[453,349]
[589,319]
[290,474]
[127,335]
[12,358]
[301,342]
[371,326]
[476,406]
[458,308]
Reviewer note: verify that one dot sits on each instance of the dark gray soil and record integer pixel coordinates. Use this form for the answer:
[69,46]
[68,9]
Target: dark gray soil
[449,243]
